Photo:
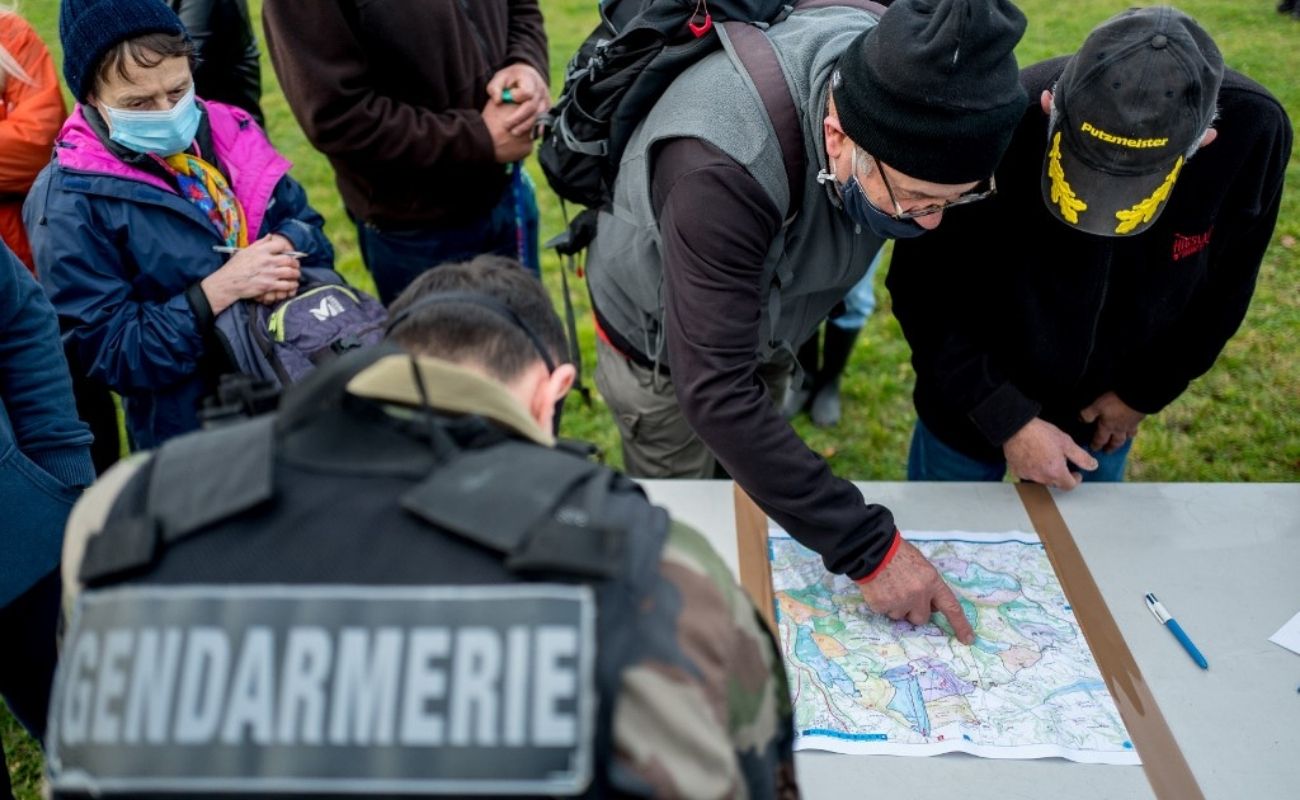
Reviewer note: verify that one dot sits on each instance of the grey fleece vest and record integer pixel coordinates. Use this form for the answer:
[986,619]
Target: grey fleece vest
[817,257]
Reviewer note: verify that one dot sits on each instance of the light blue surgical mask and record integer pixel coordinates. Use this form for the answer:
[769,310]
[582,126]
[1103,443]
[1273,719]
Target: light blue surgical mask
[163,133]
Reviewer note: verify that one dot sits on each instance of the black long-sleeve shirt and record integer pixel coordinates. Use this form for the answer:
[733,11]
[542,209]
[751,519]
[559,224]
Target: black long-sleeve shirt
[716,224]
[1012,314]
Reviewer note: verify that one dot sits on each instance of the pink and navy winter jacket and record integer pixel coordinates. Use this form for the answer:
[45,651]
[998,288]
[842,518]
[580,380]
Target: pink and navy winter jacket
[121,253]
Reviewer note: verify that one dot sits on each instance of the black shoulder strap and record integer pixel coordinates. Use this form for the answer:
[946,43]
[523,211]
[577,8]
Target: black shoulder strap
[550,521]
[757,55]
[129,538]
[191,482]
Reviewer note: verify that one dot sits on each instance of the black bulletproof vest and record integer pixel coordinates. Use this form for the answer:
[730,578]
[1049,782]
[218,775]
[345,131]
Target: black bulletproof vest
[336,601]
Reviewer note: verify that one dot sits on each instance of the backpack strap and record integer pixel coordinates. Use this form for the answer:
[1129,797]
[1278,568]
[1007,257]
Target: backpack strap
[756,54]
[875,9]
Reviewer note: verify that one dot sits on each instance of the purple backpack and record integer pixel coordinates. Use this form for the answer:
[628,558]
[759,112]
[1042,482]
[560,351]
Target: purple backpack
[284,342]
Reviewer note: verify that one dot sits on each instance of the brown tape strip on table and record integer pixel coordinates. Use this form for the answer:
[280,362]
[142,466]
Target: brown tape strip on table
[1163,761]
[755,561]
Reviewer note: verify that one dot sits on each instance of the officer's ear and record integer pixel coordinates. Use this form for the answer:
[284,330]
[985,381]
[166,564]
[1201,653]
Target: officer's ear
[548,391]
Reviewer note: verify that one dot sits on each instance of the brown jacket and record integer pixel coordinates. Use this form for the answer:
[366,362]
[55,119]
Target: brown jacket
[391,92]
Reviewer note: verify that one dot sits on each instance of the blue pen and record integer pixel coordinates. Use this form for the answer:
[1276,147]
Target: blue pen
[1169,622]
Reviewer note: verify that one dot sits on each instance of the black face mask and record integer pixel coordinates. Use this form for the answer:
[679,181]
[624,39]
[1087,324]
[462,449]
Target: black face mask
[862,211]
[501,310]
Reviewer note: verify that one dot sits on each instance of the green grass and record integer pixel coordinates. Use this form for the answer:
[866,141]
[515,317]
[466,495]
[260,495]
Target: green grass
[1238,423]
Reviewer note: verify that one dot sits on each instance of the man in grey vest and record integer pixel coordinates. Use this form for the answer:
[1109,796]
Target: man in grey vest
[398,585]
[704,275]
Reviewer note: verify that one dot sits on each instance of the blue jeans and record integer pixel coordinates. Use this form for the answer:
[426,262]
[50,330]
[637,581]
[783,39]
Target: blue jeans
[931,460]
[397,257]
[860,301]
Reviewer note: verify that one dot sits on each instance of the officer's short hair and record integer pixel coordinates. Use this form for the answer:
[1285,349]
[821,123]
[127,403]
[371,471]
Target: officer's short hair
[464,332]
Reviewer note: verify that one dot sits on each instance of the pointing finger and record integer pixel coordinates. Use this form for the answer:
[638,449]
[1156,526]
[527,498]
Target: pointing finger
[946,603]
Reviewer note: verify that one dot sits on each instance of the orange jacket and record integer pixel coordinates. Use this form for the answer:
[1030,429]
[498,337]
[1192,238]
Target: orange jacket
[30,118]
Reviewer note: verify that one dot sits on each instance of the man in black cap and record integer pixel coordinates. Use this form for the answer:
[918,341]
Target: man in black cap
[706,273]
[1150,178]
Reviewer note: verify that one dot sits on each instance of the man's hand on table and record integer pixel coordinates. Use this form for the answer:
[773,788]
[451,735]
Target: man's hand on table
[910,588]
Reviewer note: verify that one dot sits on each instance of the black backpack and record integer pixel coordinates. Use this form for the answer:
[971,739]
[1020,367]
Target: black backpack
[616,76]
[627,63]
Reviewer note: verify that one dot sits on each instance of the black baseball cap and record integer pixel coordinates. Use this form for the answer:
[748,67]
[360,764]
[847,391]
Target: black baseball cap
[1129,108]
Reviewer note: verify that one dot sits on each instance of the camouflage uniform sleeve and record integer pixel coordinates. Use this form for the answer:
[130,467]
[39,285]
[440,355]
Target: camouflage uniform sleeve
[709,715]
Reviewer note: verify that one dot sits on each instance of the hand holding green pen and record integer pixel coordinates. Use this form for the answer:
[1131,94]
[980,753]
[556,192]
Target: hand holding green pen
[524,89]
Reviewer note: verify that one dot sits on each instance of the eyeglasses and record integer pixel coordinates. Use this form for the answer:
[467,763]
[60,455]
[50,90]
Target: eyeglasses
[970,197]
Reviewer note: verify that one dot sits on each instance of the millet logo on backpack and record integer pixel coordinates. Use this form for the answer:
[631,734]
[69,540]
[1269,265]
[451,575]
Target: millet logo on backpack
[329,307]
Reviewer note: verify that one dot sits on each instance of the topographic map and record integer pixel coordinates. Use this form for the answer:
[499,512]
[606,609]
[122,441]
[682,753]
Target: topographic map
[862,683]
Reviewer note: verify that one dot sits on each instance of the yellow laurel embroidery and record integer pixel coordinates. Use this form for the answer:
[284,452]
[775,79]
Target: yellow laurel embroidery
[1145,210]
[1062,194]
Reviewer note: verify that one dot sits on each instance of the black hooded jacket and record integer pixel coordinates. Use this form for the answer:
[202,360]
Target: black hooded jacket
[1011,314]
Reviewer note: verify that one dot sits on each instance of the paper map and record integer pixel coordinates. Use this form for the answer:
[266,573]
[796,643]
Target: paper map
[1027,688]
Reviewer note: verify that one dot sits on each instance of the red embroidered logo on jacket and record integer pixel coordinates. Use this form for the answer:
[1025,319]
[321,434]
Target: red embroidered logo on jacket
[1185,246]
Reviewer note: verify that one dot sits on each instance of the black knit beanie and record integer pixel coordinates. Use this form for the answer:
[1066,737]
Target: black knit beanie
[934,90]
[88,29]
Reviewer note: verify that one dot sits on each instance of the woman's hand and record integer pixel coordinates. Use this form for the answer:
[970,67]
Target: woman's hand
[262,271]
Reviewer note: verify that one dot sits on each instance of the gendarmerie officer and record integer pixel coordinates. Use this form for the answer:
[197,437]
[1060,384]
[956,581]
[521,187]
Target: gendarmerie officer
[397,585]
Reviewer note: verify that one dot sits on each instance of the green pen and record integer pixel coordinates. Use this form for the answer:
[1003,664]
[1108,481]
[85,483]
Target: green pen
[506,97]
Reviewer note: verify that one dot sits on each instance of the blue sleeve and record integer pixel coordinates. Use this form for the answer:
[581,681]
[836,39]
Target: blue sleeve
[35,389]
[293,218]
[130,343]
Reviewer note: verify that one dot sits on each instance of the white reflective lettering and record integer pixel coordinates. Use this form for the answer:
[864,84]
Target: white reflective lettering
[252,689]
[553,682]
[424,682]
[514,724]
[74,723]
[475,674]
[203,682]
[153,679]
[366,678]
[106,726]
[302,686]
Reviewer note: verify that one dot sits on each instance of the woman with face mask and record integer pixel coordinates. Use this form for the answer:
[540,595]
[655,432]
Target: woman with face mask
[157,213]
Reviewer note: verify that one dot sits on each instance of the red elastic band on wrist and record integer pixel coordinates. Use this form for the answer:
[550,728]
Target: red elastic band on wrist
[884,562]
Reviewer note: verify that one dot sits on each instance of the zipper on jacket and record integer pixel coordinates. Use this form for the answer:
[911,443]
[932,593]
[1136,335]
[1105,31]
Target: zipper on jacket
[478,35]
[1096,319]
